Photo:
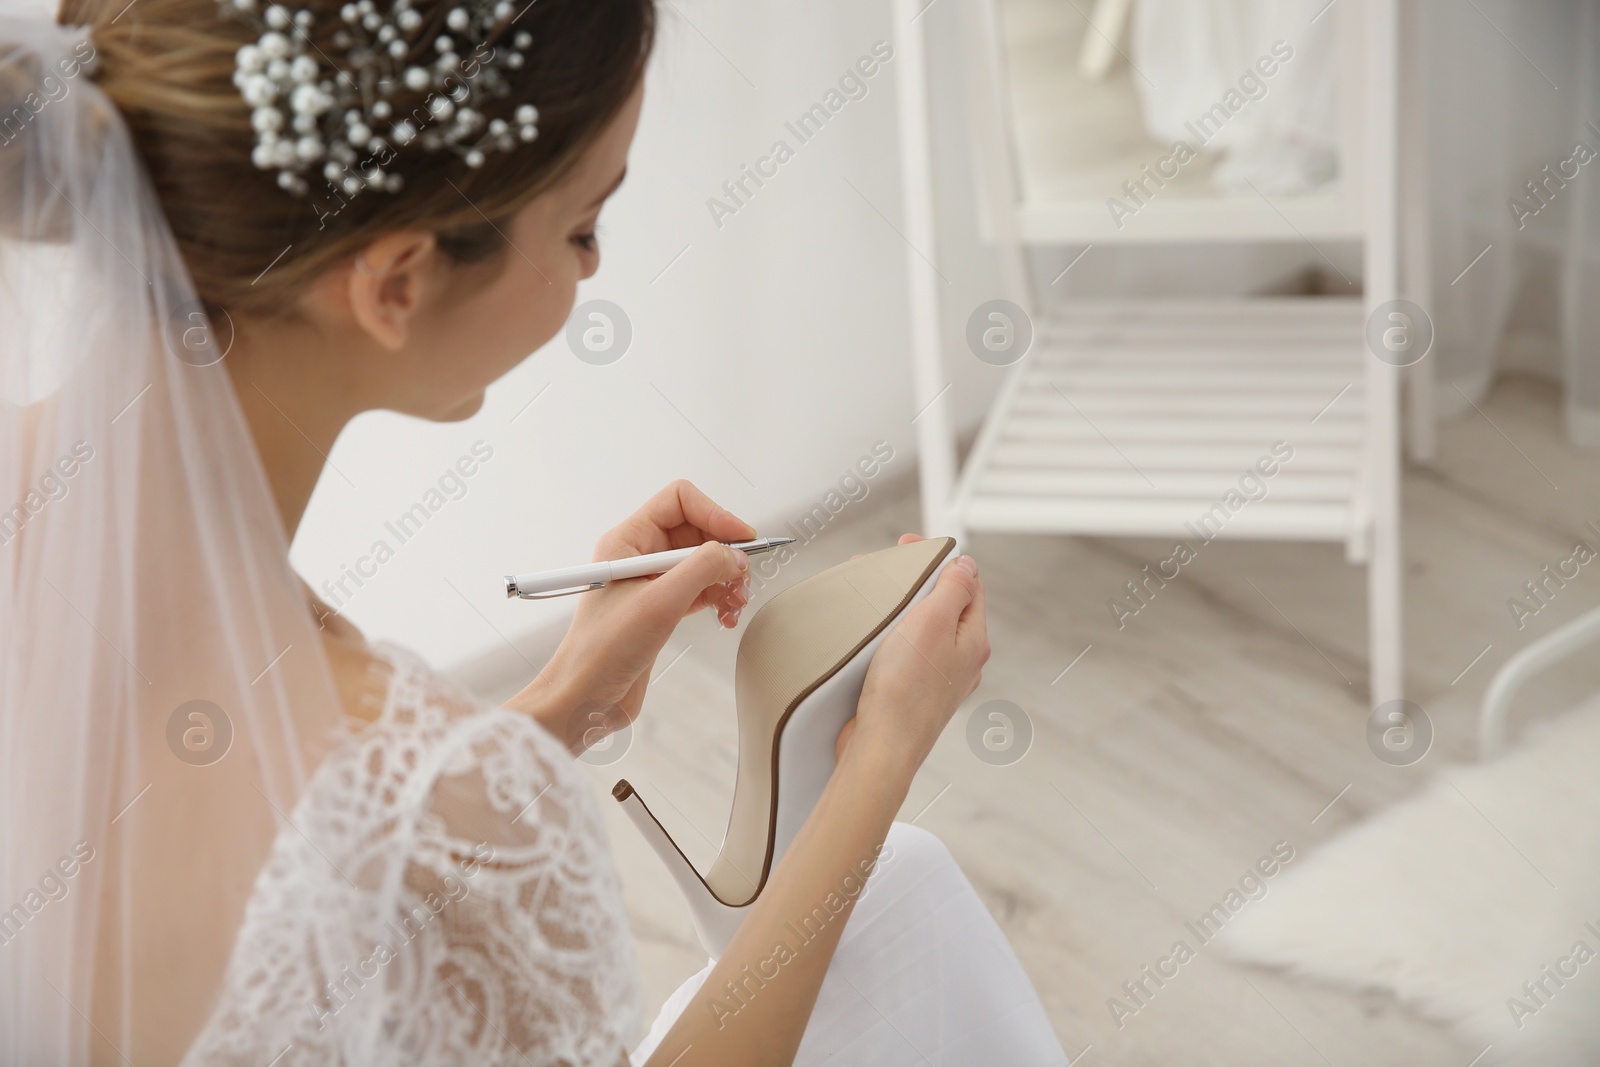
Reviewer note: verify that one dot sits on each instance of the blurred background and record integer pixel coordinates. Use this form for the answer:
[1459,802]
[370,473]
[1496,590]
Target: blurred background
[1069,277]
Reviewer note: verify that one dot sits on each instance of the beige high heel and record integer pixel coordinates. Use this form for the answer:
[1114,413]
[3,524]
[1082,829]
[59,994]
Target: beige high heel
[800,668]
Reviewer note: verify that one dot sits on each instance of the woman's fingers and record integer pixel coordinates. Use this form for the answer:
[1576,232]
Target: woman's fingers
[682,503]
[954,593]
[671,596]
[679,516]
[972,627]
[913,686]
[729,599]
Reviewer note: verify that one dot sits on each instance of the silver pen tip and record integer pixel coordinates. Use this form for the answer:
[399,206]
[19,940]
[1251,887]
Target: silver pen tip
[511,586]
[776,541]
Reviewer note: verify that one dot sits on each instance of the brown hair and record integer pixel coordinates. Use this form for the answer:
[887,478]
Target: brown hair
[168,66]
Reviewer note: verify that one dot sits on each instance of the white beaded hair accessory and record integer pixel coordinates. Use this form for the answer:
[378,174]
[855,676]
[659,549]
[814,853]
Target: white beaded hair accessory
[311,113]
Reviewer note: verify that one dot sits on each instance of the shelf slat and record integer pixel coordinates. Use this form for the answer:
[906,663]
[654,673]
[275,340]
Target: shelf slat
[1138,418]
[1099,518]
[1220,457]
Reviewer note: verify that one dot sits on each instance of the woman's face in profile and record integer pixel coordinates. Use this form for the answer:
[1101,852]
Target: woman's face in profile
[492,316]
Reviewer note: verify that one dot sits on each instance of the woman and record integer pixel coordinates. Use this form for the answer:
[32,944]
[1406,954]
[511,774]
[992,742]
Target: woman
[234,830]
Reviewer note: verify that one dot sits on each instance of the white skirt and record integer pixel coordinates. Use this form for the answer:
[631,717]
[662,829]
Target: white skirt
[922,976]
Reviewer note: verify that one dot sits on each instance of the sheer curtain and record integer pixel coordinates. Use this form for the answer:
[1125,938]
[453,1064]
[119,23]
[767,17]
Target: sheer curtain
[1511,150]
[1513,156]
[1269,62]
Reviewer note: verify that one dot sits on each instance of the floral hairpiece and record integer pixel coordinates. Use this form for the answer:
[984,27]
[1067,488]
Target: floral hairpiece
[309,111]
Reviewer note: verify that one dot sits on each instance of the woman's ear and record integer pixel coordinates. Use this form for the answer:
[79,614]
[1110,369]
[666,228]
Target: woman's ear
[389,284]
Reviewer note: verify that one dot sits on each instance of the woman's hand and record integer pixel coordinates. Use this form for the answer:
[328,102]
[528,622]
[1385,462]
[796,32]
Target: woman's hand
[595,683]
[930,662]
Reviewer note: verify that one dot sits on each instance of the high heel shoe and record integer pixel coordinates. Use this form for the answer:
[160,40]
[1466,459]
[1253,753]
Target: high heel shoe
[801,665]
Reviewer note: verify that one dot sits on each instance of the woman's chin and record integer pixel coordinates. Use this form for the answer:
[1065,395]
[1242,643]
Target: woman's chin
[462,411]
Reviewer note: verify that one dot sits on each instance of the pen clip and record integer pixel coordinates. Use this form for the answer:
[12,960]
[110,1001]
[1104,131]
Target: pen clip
[555,592]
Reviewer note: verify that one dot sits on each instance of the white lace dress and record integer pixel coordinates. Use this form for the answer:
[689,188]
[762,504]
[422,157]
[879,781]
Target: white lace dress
[444,894]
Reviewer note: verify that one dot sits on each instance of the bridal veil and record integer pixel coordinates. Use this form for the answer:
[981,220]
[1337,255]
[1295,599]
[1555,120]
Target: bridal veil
[163,694]
[205,857]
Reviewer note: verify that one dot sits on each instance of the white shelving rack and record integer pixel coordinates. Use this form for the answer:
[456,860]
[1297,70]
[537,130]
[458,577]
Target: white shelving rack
[1134,417]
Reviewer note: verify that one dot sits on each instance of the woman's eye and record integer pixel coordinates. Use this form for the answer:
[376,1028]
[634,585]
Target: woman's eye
[586,241]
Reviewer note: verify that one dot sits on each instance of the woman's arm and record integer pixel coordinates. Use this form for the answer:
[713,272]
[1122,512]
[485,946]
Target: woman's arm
[754,1006]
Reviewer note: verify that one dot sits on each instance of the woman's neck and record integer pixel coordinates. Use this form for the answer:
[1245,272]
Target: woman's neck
[296,405]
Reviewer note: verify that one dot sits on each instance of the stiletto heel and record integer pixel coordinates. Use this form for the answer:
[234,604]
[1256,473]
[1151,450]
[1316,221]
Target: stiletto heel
[801,665]
[714,921]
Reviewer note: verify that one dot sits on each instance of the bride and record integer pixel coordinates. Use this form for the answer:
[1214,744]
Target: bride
[232,830]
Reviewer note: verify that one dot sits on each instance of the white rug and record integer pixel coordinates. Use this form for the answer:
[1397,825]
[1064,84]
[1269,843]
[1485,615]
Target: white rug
[1452,900]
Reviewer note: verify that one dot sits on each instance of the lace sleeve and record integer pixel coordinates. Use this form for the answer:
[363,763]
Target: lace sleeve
[444,895]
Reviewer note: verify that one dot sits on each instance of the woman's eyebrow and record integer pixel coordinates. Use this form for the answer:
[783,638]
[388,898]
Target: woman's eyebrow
[602,197]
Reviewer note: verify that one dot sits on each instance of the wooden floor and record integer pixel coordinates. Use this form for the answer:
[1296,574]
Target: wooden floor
[1226,716]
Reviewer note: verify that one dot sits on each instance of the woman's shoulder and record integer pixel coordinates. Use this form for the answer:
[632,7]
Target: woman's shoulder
[434,730]
[425,750]
[382,681]
[361,673]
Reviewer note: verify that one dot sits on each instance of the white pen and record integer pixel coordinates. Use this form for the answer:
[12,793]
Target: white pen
[542,584]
